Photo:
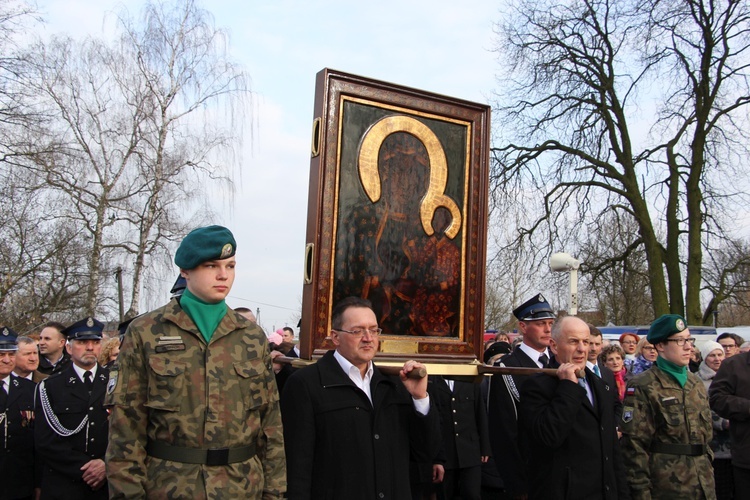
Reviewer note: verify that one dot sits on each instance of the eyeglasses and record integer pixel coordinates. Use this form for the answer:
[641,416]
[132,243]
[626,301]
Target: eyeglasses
[728,346]
[629,342]
[681,342]
[649,348]
[360,332]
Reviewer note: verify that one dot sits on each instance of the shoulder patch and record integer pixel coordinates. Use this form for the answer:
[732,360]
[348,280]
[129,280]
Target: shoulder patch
[627,414]
[630,391]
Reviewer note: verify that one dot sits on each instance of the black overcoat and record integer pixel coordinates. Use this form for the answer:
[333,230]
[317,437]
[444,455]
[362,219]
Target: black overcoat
[340,446]
[574,446]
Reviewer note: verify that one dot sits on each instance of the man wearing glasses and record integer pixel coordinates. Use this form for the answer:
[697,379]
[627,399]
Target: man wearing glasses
[349,429]
[731,343]
[666,421]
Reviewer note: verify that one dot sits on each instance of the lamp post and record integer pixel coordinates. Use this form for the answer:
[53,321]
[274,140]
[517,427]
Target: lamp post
[560,262]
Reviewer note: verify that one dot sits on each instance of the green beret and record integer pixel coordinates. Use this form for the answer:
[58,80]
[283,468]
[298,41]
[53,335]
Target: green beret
[664,327]
[203,244]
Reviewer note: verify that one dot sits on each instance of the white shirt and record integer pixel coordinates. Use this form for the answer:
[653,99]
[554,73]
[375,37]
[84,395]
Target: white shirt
[591,366]
[6,384]
[80,371]
[533,353]
[22,376]
[421,405]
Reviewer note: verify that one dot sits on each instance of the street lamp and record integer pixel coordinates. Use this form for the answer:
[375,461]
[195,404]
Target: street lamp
[560,262]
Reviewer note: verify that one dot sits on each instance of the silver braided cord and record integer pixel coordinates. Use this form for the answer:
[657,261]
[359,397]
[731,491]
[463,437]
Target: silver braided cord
[52,420]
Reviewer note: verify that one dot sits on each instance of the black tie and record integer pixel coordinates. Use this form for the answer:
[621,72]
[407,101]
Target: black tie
[544,360]
[87,380]
[3,396]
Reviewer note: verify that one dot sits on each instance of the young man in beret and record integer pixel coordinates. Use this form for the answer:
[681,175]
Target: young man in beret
[195,411]
[666,422]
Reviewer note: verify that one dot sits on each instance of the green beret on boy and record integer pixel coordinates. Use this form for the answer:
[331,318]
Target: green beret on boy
[664,327]
[203,244]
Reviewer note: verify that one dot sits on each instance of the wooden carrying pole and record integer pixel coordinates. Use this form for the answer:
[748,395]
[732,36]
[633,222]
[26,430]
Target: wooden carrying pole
[421,372]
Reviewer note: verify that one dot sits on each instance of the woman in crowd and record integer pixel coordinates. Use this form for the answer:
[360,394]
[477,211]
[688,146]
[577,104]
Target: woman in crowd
[612,357]
[109,352]
[628,343]
[713,355]
[645,355]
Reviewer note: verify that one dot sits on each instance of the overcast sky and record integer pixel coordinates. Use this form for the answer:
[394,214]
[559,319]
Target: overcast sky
[440,46]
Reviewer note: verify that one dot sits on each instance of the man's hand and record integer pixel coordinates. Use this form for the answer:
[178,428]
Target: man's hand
[416,387]
[438,473]
[567,371]
[94,473]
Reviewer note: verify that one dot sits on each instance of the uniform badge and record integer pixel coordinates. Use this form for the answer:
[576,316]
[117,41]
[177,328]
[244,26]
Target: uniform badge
[627,414]
[6,332]
[226,251]
[630,391]
[112,383]
[679,324]
[90,322]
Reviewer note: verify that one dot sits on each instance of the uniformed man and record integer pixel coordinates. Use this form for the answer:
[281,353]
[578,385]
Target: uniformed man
[195,407]
[71,421]
[16,418]
[666,421]
[535,319]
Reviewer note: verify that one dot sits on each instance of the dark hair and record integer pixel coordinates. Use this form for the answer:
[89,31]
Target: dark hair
[54,324]
[338,311]
[242,309]
[594,330]
[726,335]
[289,329]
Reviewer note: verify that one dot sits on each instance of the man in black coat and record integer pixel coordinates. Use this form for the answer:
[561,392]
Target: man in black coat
[570,425]
[535,318]
[71,424]
[16,430]
[465,437]
[349,430]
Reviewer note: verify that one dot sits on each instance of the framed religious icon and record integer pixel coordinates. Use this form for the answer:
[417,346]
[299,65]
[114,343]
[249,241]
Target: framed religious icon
[397,214]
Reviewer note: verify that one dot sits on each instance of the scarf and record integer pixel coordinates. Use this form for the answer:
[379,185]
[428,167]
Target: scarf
[678,372]
[205,316]
[620,381]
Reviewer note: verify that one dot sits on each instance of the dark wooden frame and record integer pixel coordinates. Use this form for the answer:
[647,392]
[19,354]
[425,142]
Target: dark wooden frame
[333,136]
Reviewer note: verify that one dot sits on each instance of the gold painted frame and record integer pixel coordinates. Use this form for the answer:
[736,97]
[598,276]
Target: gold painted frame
[397,213]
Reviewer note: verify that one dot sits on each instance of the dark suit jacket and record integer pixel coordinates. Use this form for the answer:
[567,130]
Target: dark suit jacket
[463,421]
[64,456]
[17,458]
[574,446]
[341,446]
[509,455]
[609,379]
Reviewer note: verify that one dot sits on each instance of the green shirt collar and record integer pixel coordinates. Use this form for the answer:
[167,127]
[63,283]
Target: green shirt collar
[678,372]
[206,316]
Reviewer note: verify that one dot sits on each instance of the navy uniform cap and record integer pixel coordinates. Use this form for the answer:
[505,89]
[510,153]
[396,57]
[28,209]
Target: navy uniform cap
[204,244]
[534,309]
[85,329]
[8,339]
[664,327]
[178,287]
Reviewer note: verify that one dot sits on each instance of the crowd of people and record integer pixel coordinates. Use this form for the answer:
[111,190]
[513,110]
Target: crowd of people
[191,401]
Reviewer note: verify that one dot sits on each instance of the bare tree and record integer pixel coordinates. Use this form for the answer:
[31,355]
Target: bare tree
[197,96]
[139,129]
[633,107]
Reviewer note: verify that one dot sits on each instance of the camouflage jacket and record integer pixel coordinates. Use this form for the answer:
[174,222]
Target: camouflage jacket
[184,392]
[657,410]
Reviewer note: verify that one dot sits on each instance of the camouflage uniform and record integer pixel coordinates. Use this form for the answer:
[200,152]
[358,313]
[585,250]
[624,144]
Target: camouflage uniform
[169,386]
[660,421]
